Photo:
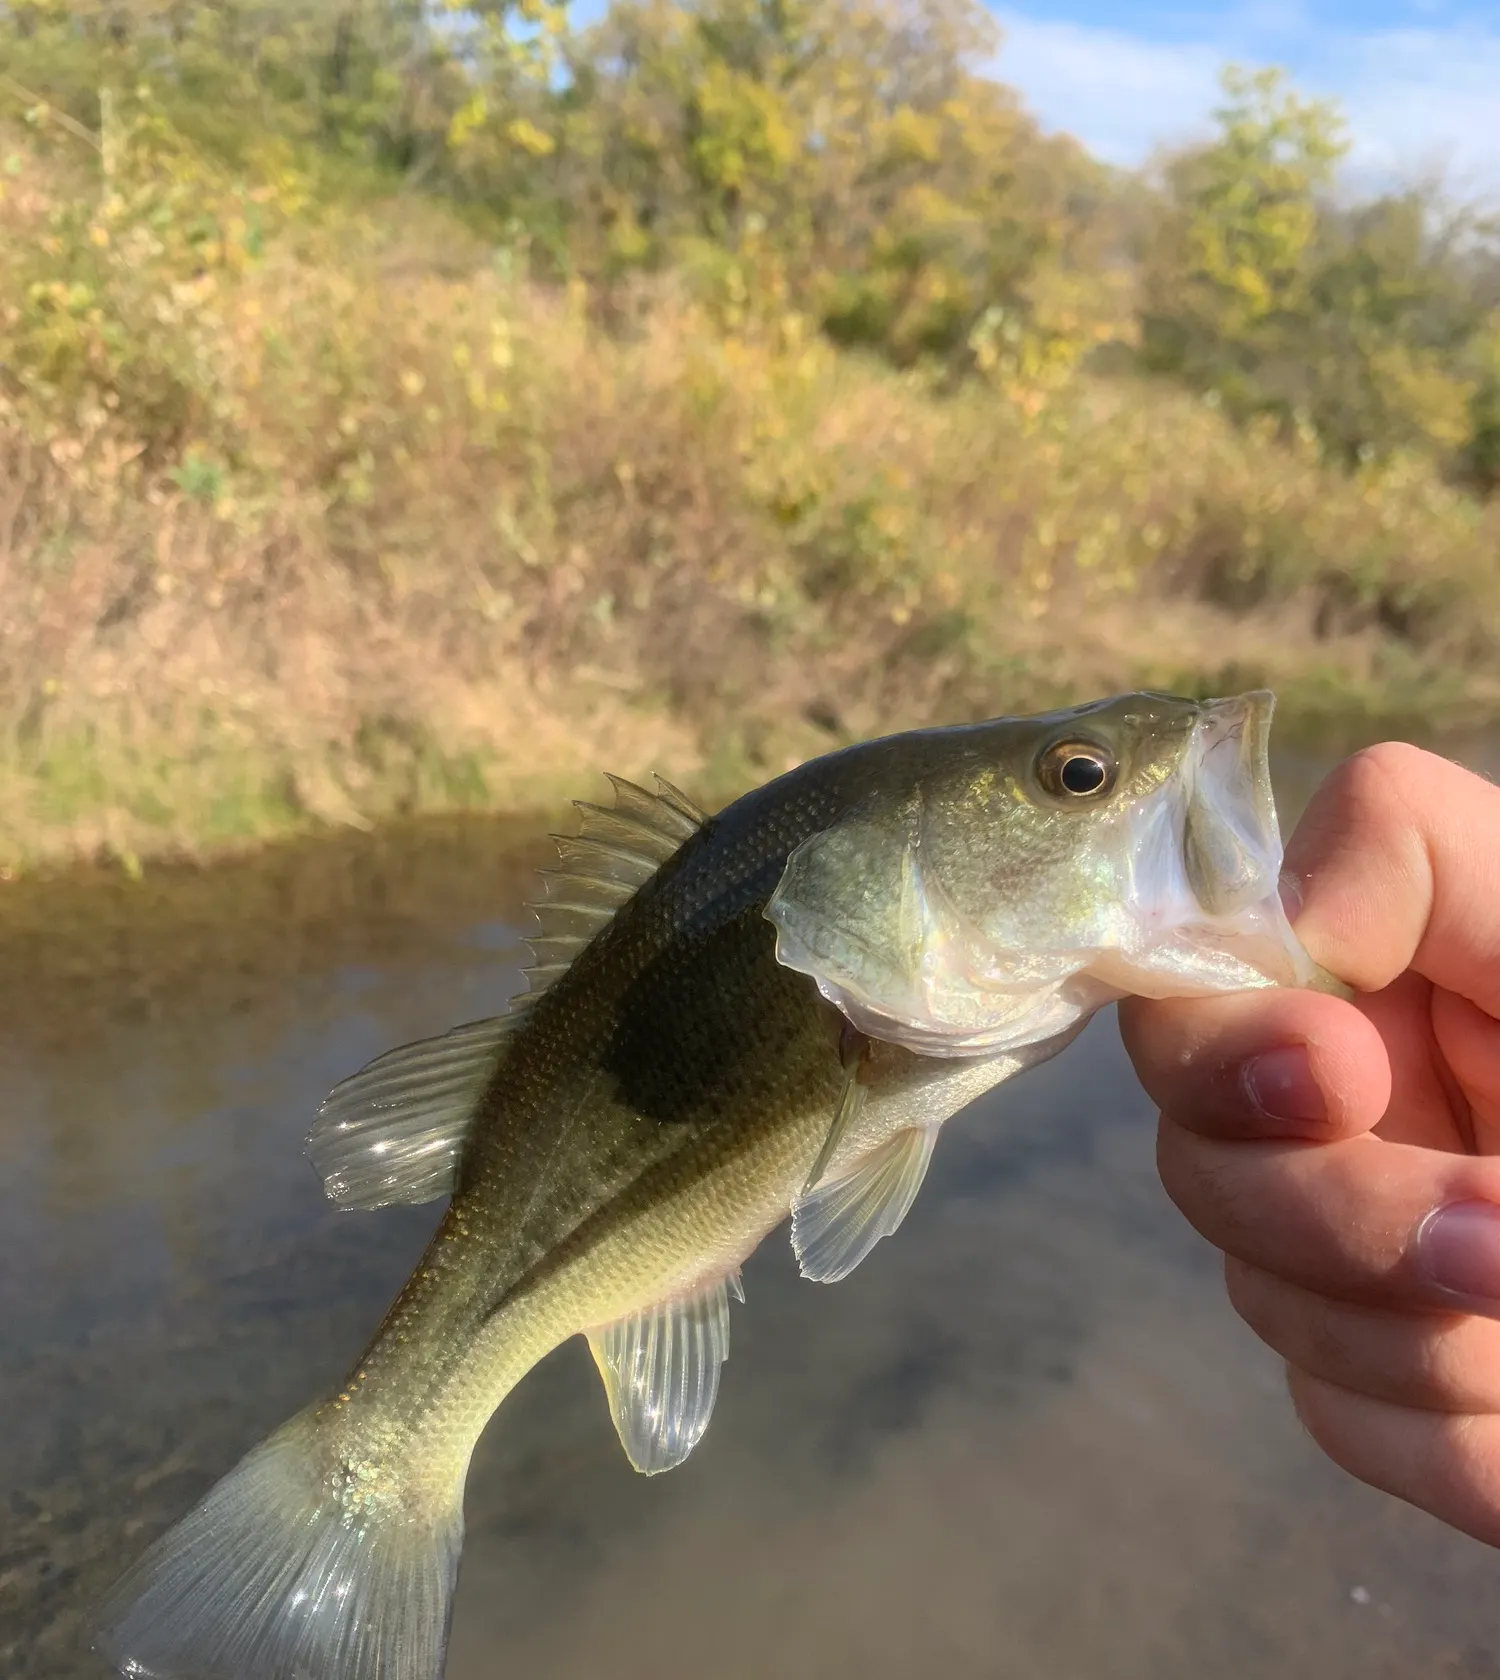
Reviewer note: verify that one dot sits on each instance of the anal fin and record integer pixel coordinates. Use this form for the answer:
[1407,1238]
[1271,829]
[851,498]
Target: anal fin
[835,1225]
[661,1373]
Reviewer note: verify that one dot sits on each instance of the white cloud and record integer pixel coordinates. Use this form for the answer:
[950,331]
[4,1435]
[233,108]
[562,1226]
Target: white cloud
[1415,98]
[1119,94]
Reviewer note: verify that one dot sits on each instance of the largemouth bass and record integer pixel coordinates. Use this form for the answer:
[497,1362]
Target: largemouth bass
[771,1011]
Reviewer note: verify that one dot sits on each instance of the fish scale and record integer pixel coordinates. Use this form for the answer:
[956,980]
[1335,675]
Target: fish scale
[880,936]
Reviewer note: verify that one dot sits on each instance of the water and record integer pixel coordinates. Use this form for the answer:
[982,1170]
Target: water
[1026,1438]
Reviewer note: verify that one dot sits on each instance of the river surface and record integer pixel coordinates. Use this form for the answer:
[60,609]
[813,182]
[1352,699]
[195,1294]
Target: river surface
[1027,1438]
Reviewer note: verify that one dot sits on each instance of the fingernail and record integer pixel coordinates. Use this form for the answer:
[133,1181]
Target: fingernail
[1458,1247]
[1280,1084]
[1291,894]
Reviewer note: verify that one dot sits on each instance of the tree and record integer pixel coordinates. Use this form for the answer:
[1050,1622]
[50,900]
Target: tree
[1391,317]
[849,152]
[1229,269]
[379,80]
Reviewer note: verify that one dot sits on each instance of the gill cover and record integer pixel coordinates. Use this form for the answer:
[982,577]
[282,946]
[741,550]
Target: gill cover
[957,926]
[859,909]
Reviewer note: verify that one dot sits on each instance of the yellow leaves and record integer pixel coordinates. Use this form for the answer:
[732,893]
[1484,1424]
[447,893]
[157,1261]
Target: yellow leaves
[806,171]
[746,130]
[193,294]
[1031,358]
[1425,388]
[891,205]
[481,112]
[628,243]
[522,132]
[1252,287]
[467,121]
[1247,215]
[913,136]
[482,396]
[1334,329]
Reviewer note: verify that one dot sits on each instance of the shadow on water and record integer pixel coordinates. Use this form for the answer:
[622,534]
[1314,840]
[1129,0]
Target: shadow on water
[1026,1438]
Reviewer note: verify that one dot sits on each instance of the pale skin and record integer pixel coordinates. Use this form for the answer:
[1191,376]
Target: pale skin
[1346,1156]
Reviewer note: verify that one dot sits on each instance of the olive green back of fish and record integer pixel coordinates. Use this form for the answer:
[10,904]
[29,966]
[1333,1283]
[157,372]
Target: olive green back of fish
[677,1021]
[673,1035]
[613,1148]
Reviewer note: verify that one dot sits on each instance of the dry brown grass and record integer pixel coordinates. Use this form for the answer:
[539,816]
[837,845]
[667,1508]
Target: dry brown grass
[342,531]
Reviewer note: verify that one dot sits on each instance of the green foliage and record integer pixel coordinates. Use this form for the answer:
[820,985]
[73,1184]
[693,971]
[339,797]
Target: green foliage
[843,160]
[1249,203]
[1230,270]
[1364,325]
[845,155]
[382,80]
[404,409]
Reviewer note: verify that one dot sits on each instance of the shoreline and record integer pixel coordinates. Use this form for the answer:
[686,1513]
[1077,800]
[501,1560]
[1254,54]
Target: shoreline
[104,840]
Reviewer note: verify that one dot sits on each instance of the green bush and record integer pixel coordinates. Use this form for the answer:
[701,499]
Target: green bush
[391,421]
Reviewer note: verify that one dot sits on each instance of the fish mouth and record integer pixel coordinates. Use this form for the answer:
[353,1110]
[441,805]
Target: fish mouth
[1231,844]
[1207,898]
[1230,851]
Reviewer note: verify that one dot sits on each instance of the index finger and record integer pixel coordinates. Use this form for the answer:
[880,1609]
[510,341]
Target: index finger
[1398,861]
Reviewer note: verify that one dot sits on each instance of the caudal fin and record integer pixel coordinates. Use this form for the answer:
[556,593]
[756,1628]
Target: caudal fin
[281,1573]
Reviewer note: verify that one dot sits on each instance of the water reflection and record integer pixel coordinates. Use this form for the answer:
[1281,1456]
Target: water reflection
[1025,1438]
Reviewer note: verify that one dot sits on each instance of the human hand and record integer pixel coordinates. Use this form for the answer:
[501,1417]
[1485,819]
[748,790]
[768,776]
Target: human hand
[1346,1156]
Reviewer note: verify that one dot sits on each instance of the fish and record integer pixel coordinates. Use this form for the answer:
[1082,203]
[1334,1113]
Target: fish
[732,1019]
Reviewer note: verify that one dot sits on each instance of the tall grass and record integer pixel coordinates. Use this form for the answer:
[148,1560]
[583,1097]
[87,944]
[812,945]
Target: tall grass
[314,516]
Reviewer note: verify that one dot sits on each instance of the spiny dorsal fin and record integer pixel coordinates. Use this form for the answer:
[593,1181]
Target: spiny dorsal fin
[669,807]
[617,850]
[661,1372]
[393,1131]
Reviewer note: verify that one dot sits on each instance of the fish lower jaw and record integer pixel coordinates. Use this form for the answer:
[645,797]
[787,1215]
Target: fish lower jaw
[1021,1017]
[1199,960]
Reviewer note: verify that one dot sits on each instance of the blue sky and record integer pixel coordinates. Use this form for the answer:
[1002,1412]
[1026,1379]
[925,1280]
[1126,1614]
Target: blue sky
[1419,80]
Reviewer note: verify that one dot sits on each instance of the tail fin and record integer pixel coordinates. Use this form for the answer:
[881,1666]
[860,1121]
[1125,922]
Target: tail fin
[278,1574]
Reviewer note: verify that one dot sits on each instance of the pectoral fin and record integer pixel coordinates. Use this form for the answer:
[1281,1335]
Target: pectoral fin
[853,1050]
[661,1373]
[836,1225]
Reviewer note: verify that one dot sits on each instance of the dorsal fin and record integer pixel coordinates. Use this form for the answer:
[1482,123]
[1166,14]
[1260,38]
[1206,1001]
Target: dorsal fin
[668,809]
[393,1132]
[616,851]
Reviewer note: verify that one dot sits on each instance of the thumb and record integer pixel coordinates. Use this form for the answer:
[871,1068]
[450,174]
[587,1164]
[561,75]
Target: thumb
[1397,863]
[1255,1066]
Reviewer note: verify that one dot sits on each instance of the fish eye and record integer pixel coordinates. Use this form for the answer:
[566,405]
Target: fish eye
[1076,770]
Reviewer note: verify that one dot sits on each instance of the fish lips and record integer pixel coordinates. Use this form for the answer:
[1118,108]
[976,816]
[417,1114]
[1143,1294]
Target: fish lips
[1211,907]
[1231,843]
